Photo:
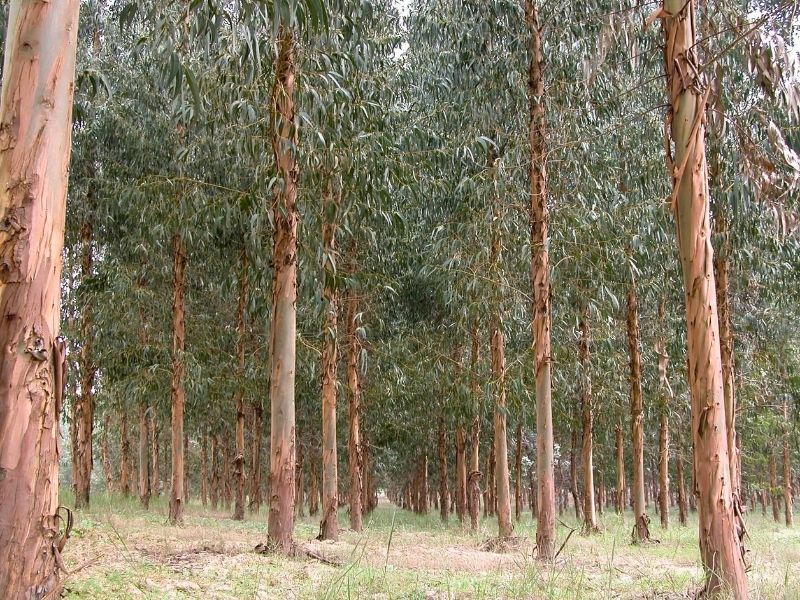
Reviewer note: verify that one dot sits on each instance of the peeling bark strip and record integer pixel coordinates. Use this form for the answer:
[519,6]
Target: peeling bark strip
[721,530]
[35,127]
[177,500]
[284,296]
[540,279]
[238,460]
[329,527]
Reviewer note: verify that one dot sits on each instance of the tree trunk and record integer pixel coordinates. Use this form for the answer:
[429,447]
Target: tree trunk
[35,127]
[328,527]
[773,489]
[155,473]
[227,492]
[444,503]
[540,278]
[255,459]
[663,469]
[186,459]
[144,457]
[124,456]
[589,515]
[721,529]
[423,487]
[573,474]
[85,402]
[518,476]
[204,470]
[238,459]
[641,532]
[787,468]
[620,443]
[313,491]
[176,498]
[722,267]
[683,508]
[214,472]
[108,471]
[461,473]
[300,474]
[354,440]
[284,296]
[474,478]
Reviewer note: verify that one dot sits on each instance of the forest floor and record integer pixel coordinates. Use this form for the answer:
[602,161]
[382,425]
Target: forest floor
[123,552]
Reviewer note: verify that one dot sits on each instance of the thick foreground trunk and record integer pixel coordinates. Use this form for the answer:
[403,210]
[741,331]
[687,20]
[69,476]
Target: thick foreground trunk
[721,529]
[35,116]
[284,295]
[540,279]
[176,497]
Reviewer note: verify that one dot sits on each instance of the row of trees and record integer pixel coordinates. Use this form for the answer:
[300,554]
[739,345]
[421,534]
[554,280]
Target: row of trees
[459,204]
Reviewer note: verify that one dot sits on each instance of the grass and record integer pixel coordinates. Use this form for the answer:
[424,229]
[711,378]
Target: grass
[123,552]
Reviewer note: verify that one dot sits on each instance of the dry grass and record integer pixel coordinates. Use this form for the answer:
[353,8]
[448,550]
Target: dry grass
[124,552]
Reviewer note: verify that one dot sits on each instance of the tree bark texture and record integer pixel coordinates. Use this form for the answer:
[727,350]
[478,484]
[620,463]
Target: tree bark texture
[177,493]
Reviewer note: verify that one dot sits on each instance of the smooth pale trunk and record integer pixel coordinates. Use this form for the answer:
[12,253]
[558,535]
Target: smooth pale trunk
[177,498]
[663,470]
[284,297]
[720,526]
[540,280]
[501,472]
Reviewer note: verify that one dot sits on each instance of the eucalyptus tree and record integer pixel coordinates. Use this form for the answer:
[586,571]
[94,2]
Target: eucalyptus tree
[720,540]
[36,113]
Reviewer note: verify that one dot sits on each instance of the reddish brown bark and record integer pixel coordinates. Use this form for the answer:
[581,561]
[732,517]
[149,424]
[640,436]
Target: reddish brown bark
[204,483]
[721,529]
[255,458]
[84,413]
[444,494]
[155,472]
[587,418]
[461,473]
[313,489]
[214,493]
[108,472]
[144,458]
[518,476]
[540,278]
[177,499]
[354,450]
[620,446]
[328,527]
[773,489]
[474,478]
[124,456]
[35,128]
[238,459]
[284,296]
[573,475]
[683,506]
[641,533]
